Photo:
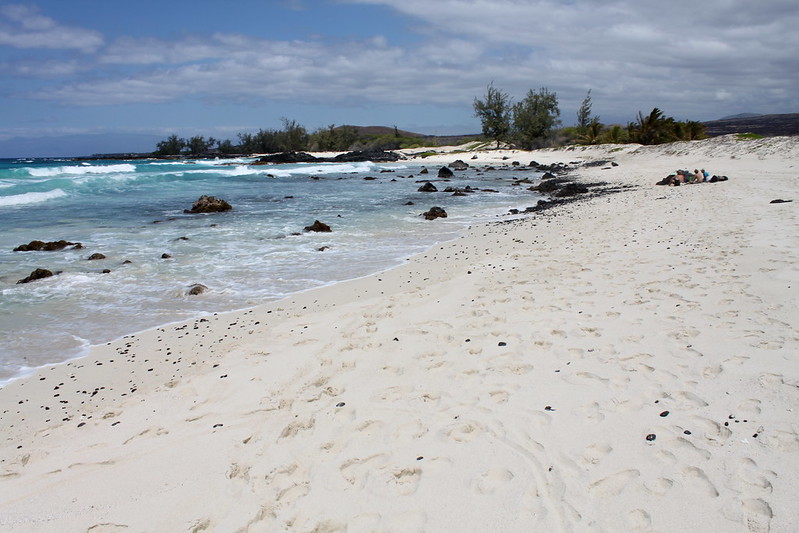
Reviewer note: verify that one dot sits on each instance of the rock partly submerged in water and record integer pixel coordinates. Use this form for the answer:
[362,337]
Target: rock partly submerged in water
[444,172]
[209,204]
[41,246]
[39,273]
[319,227]
[434,213]
[196,289]
[288,157]
[357,156]
[428,187]
[370,154]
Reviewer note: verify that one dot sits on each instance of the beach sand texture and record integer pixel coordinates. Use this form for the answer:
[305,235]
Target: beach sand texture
[623,363]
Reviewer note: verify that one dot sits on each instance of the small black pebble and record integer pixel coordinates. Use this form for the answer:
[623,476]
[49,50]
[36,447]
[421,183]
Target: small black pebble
[687,432]
[340,404]
[548,408]
[396,339]
[502,344]
[223,376]
[218,425]
[419,458]
[726,424]
[754,435]
[664,414]
[651,437]
[81,424]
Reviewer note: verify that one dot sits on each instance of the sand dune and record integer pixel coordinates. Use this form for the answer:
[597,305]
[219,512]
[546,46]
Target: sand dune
[623,363]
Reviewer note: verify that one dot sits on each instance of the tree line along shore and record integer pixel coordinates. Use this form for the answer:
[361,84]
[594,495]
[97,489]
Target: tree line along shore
[533,122]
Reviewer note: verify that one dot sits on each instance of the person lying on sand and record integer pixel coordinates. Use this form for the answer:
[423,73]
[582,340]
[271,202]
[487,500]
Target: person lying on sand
[683,177]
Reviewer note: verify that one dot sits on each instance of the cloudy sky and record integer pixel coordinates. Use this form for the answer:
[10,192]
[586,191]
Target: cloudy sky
[219,68]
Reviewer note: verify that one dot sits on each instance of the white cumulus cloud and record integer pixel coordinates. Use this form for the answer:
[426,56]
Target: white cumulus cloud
[23,26]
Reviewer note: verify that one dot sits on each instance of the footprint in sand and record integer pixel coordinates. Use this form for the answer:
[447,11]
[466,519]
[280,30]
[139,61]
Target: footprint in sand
[594,453]
[406,480]
[639,520]
[712,430]
[492,480]
[687,448]
[785,441]
[409,431]
[499,396]
[296,427]
[614,484]
[688,400]
[590,376]
[237,471]
[356,471]
[592,412]
[736,360]
[712,371]
[752,479]
[695,479]
[750,406]
[466,432]
[291,494]
[771,380]
[757,515]
[659,486]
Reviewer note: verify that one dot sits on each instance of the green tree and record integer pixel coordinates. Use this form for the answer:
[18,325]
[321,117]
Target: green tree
[615,135]
[171,146]
[293,137]
[494,113]
[584,117]
[226,147]
[591,132]
[650,129]
[246,143]
[535,117]
[198,145]
[690,130]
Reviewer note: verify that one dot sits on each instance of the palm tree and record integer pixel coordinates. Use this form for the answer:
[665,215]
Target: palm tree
[615,135]
[591,132]
[649,129]
[694,130]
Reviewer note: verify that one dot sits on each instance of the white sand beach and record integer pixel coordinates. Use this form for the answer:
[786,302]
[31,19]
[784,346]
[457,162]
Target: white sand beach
[628,362]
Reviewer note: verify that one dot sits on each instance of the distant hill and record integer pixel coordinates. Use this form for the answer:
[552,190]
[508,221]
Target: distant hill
[766,125]
[742,115]
[429,140]
[380,130]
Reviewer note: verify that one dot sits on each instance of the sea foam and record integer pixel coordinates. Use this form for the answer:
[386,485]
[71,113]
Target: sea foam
[31,198]
[46,172]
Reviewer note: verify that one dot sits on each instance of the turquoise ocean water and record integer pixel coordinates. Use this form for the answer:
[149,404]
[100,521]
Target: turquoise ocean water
[132,212]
